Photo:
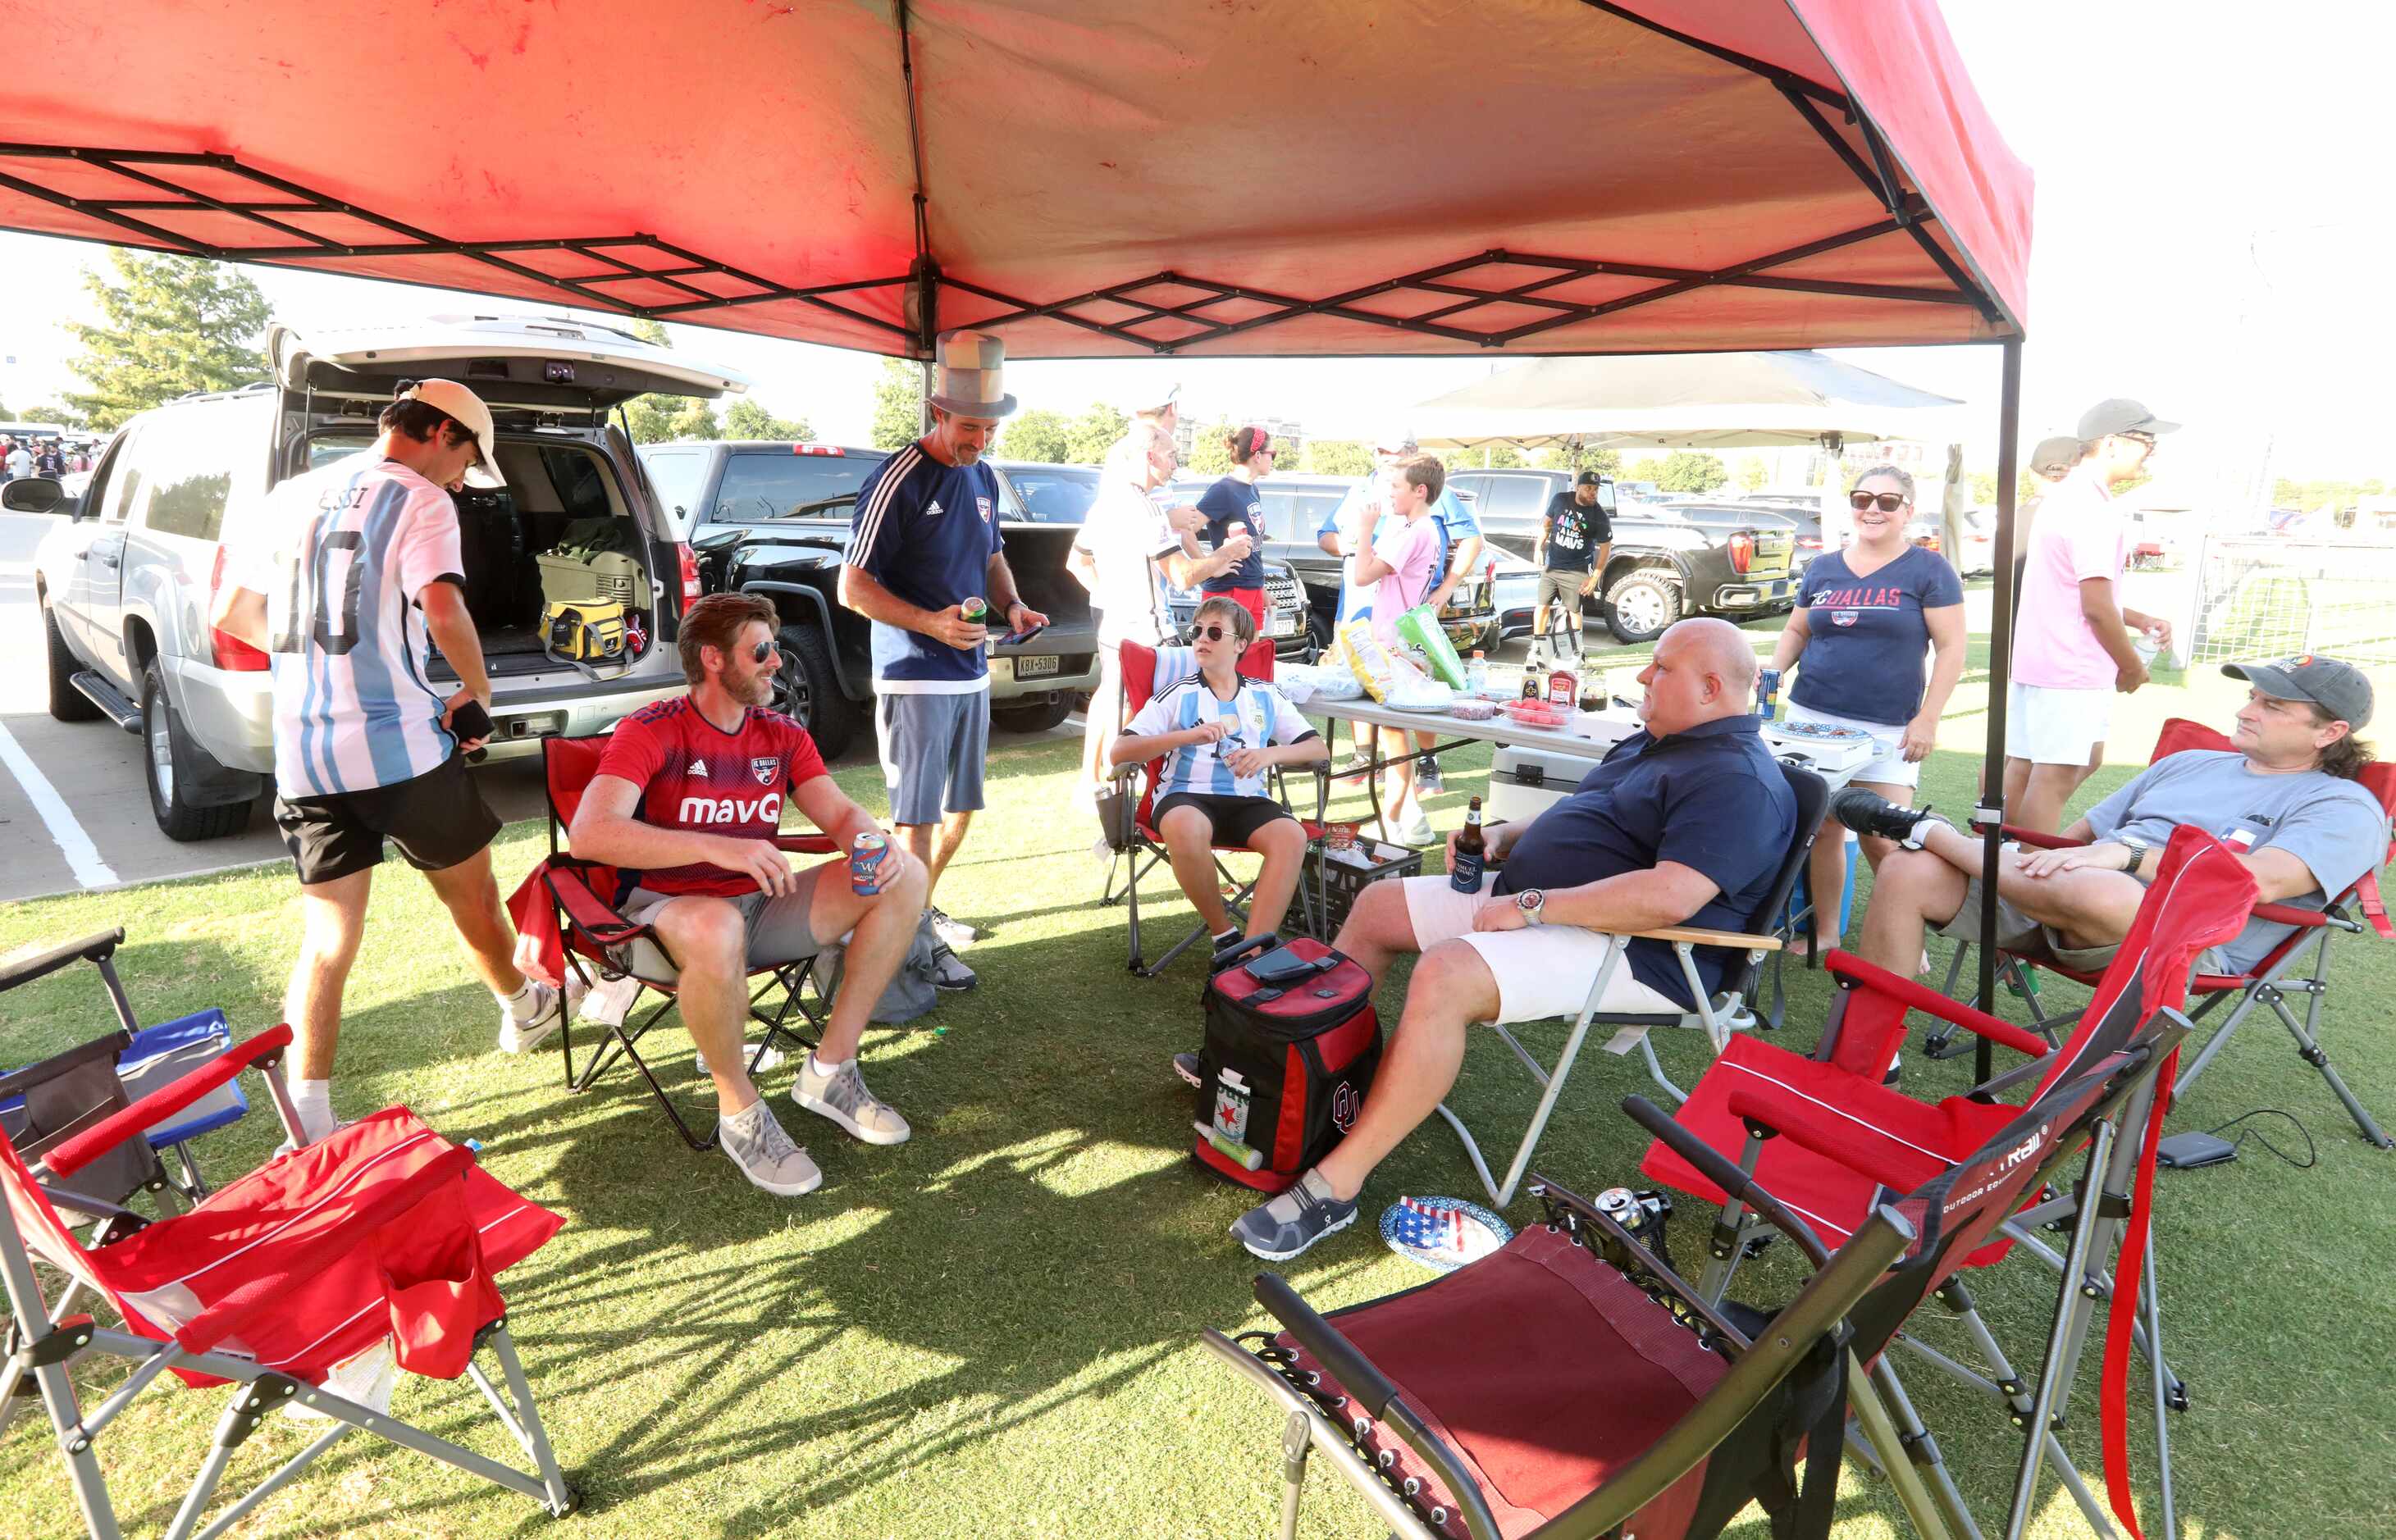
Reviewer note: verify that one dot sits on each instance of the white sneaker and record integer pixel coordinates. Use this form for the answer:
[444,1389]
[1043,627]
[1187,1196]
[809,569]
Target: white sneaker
[773,1058]
[755,1143]
[549,1012]
[1415,832]
[842,1097]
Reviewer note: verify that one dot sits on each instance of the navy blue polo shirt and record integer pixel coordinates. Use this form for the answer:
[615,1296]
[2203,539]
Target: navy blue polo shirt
[926,532]
[1711,798]
[1229,501]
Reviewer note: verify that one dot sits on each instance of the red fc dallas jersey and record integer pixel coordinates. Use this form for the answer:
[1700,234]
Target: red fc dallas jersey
[695,775]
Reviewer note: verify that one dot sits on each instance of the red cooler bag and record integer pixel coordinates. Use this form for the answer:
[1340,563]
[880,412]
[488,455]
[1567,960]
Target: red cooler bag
[1291,1046]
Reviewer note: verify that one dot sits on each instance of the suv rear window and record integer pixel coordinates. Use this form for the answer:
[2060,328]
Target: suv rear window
[676,473]
[771,485]
[1296,513]
[1057,495]
[188,457]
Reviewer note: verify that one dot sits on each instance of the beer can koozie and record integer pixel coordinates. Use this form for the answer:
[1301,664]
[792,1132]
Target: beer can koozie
[865,862]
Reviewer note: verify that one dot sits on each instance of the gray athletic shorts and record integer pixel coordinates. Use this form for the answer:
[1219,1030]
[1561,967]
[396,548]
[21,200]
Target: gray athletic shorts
[1557,587]
[778,931]
[933,746]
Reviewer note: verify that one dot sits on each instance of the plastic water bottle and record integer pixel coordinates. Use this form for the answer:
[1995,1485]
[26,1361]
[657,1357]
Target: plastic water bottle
[1476,673]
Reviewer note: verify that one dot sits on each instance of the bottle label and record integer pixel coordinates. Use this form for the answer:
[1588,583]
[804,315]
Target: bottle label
[1464,873]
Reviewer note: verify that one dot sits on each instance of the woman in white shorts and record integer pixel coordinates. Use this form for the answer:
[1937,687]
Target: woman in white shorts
[1876,643]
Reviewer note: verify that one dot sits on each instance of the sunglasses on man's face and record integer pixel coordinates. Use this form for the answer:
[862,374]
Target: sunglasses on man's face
[762,651]
[1215,632]
[1889,502]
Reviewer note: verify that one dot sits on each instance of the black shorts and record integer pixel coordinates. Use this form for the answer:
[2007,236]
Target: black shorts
[1236,819]
[437,819]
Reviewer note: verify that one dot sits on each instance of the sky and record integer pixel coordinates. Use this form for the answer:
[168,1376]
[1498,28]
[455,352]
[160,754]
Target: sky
[2213,223]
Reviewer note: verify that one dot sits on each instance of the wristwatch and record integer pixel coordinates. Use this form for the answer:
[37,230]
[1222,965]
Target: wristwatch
[2138,849]
[1532,902]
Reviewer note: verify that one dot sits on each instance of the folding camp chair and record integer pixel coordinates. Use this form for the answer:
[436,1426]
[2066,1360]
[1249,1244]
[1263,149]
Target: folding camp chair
[583,895]
[68,1092]
[1718,1015]
[2269,982]
[1148,671]
[1825,1135]
[1572,1385]
[381,1233]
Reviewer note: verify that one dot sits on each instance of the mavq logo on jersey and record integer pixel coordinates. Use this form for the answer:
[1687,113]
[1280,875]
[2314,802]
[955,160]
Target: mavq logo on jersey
[766,809]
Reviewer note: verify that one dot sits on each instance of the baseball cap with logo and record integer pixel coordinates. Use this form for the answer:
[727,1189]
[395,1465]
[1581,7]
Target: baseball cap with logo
[2334,686]
[2121,415]
[2055,455]
[1588,478]
[466,408]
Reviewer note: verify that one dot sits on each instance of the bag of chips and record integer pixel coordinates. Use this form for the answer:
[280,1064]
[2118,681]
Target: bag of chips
[1420,626]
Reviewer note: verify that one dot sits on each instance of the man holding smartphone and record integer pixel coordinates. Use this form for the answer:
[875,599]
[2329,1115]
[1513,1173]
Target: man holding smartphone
[345,576]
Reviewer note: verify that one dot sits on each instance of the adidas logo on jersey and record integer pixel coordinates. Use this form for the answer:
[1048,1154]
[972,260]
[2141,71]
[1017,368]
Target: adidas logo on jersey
[932,508]
[698,769]
[732,810]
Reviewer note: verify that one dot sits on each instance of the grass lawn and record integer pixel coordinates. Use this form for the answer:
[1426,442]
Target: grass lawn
[992,1329]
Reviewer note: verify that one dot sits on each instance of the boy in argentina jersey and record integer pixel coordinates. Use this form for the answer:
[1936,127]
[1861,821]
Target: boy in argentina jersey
[1219,735]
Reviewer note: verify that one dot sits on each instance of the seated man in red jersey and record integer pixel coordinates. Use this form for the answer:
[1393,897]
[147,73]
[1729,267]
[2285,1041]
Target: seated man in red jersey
[686,802]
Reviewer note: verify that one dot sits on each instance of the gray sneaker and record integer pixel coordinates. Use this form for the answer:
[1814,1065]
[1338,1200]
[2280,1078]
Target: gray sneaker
[955,931]
[1295,1220]
[949,972]
[755,1143]
[548,1014]
[842,1097]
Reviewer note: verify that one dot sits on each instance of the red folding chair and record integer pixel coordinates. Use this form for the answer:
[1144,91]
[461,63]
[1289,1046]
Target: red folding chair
[581,896]
[2269,982]
[1826,1136]
[381,1232]
[1143,849]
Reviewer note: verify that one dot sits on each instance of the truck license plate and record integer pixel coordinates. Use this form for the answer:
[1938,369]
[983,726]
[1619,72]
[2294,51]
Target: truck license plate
[1037,668]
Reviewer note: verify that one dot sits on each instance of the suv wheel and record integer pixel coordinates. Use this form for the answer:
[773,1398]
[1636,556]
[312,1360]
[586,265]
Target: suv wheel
[1642,605]
[1038,717]
[808,691]
[166,761]
[67,703]
[1318,631]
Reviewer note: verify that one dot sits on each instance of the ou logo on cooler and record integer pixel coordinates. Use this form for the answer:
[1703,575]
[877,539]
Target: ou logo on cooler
[1345,1105]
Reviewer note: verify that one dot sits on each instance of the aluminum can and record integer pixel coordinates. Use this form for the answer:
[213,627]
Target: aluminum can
[1767,689]
[975,611]
[865,862]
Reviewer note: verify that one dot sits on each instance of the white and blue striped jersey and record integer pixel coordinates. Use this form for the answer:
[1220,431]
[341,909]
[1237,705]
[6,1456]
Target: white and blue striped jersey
[341,554]
[1257,715]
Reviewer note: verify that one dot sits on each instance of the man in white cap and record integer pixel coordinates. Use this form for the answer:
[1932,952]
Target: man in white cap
[343,578]
[2072,639]
[926,542]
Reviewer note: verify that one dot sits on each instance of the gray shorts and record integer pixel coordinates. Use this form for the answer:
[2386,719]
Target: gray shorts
[1560,588]
[933,746]
[778,931]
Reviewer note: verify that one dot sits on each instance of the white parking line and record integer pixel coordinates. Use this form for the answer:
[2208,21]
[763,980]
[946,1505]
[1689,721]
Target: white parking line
[82,856]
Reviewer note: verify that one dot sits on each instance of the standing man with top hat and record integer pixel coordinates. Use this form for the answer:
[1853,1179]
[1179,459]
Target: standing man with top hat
[925,543]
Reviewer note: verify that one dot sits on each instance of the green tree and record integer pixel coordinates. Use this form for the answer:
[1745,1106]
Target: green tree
[1089,437]
[657,419]
[1037,435]
[1579,458]
[898,403]
[169,326]
[1751,474]
[1983,486]
[1691,470]
[1339,458]
[1648,470]
[1210,449]
[746,419]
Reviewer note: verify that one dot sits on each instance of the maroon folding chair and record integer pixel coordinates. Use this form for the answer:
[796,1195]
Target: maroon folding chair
[2277,976]
[1142,850]
[595,938]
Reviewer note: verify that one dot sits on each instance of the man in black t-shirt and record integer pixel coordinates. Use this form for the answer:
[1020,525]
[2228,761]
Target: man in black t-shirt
[1575,539]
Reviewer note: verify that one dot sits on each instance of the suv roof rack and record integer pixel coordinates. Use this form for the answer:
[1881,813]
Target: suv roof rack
[251,389]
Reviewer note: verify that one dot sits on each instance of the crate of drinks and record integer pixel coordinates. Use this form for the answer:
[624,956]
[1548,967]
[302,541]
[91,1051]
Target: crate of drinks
[1345,860]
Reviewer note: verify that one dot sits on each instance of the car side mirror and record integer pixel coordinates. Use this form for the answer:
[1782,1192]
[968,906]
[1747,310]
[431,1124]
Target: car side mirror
[39,495]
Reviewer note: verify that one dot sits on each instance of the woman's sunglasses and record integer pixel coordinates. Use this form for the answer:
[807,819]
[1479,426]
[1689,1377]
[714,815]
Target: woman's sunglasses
[1215,632]
[1889,501]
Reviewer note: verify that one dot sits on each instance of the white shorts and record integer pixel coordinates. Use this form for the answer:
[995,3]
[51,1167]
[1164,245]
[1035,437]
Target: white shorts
[1542,971]
[1889,766]
[2049,725]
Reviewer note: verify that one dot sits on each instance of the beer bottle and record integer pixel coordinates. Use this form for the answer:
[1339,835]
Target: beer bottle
[1464,872]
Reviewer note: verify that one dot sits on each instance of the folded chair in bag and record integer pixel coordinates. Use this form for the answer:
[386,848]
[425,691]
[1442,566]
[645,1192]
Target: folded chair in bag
[2279,974]
[1147,671]
[567,909]
[1718,1015]
[1825,1135]
[381,1233]
[1573,1385]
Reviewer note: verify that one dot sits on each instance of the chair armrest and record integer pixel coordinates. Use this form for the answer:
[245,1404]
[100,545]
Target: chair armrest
[2282,914]
[1697,938]
[1929,1001]
[15,1083]
[71,1155]
[807,844]
[1748,1106]
[583,909]
[227,1315]
[31,965]
[2037,838]
[1724,1174]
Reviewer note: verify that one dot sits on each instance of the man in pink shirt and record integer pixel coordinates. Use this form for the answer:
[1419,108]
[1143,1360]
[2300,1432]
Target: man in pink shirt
[2074,644]
[1399,570]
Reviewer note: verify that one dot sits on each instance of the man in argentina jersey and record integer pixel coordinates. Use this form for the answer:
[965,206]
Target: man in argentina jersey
[344,577]
[925,540]
[1221,735]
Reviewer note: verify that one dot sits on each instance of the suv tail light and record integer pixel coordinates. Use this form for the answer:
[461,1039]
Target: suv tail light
[226,650]
[1742,552]
[687,560]
[817,449]
[1809,542]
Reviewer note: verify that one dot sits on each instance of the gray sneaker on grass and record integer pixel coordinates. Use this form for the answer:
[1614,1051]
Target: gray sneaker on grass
[842,1097]
[1297,1219]
[755,1143]
[949,972]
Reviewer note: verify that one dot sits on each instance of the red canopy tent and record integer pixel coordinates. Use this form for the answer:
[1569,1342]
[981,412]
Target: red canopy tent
[1248,176]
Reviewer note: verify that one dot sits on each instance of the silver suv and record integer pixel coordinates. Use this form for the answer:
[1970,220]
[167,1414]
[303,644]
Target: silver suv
[126,579]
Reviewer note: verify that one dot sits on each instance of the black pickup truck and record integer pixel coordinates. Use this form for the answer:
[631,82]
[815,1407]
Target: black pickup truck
[773,518]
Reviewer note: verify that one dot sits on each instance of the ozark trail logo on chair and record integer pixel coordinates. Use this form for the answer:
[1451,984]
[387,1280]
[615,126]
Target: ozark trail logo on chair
[765,769]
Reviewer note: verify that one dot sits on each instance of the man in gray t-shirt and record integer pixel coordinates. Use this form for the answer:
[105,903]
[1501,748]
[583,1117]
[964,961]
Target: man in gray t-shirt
[2284,796]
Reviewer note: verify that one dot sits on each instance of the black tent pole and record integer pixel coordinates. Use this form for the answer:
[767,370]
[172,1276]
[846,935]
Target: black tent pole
[1991,811]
